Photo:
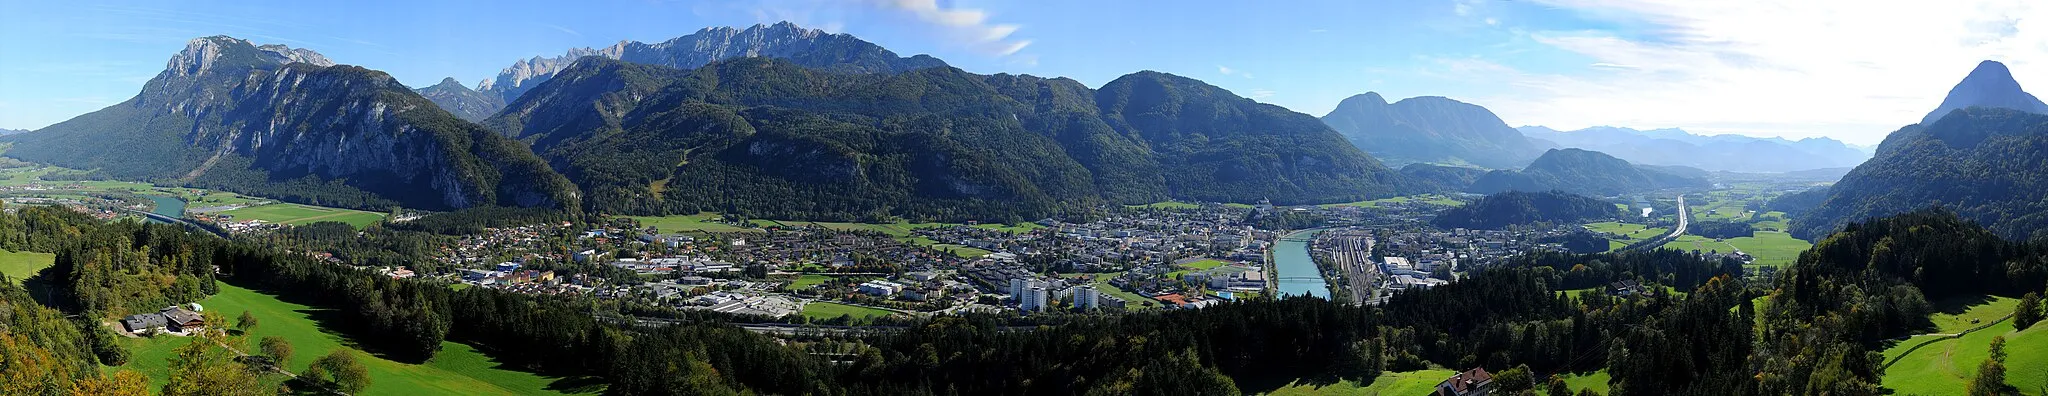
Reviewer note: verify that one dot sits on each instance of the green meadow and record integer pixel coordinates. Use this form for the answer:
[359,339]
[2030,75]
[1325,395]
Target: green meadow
[22,265]
[457,370]
[827,310]
[296,214]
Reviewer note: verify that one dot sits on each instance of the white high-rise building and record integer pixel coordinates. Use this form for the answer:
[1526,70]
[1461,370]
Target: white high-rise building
[1033,299]
[1086,297]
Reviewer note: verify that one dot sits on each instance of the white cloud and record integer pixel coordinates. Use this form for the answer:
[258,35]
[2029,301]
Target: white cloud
[1226,70]
[1261,94]
[969,25]
[1851,69]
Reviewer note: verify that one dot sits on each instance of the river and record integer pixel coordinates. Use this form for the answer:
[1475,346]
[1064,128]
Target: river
[1295,269]
[167,206]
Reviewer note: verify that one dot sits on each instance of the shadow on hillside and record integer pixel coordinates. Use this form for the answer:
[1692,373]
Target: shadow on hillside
[41,288]
[1953,306]
[332,322]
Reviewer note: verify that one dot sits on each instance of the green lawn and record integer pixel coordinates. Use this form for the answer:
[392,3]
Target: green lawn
[1406,383]
[1957,314]
[1423,198]
[962,251]
[1629,232]
[700,222]
[1018,228]
[295,214]
[897,229]
[1613,227]
[826,310]
[21,265]
[1597,381]
[1944,367]
[1167,205]
[1131,300]
[806,281]
[457,370]
[1771,248]
[1204,264]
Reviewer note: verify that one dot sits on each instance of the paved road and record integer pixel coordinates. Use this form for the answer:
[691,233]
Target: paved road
[1683,213]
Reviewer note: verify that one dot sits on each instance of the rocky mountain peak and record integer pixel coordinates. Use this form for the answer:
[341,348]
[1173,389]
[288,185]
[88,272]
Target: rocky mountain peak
[807,47]
[1989,85]
[206,53]
[449,82]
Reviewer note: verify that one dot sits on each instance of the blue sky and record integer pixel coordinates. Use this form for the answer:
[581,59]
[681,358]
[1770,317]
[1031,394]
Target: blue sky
[1836,68]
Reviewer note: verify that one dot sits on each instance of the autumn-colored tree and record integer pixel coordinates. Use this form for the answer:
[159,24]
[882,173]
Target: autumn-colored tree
[206,367]
[278,350]
[28,369]
[246,323]
[121,383]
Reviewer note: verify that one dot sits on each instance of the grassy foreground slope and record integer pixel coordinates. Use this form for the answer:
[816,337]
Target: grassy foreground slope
[457,370]
[1945,366]
[21,265]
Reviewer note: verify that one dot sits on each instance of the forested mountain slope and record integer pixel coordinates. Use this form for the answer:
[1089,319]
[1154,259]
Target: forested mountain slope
[771,138]
[1586,172]
[289,124]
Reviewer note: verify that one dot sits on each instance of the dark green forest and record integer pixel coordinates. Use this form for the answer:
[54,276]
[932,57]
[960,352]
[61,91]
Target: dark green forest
[1517,208]
[1587,172]
[1985,164]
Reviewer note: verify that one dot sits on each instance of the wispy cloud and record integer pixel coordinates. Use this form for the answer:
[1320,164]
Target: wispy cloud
[968,26]
[1226,70]
[1261,94]
[571,32]
[1844,68]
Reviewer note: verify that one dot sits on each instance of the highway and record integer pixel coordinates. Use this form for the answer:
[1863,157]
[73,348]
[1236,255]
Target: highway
[1683,213]
[1684,217]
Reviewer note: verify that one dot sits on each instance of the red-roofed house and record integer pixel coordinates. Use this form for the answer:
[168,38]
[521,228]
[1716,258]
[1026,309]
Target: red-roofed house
[1474,382]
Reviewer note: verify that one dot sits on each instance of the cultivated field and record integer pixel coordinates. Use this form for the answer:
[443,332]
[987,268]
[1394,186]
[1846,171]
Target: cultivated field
[296,214]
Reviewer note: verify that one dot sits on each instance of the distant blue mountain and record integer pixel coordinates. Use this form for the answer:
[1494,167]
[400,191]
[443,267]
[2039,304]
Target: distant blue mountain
[1430,129]
[1734,153]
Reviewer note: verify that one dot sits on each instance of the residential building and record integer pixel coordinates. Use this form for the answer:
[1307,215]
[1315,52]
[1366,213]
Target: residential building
[1033,299]
[1474,382]
[1086,297]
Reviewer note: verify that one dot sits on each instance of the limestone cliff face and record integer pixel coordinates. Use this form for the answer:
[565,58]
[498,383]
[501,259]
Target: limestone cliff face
[272,120]
[806,47]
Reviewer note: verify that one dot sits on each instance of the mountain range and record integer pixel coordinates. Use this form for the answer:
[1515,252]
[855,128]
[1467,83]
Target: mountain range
[1733,153]
[290,124]
[1983,157]
[1588,173]
[1430,129]
[805,47]
[769,121]
[769,137]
